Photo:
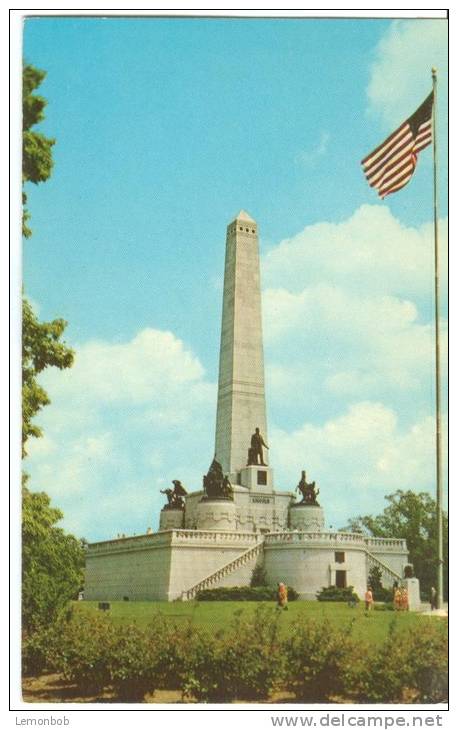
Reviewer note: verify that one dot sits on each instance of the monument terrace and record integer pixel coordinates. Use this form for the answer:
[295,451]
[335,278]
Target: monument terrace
[238,519]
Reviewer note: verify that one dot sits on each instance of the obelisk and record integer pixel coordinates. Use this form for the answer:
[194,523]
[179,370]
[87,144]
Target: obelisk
[241,393]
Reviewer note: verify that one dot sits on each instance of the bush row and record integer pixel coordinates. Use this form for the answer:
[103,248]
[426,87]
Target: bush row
[244,593]
[332,593]
[248,661]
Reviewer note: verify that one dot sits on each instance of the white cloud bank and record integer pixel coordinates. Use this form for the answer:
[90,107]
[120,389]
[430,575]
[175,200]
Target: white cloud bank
[125,420]
[371,251]
[358,457]
[401,73]
[350,315]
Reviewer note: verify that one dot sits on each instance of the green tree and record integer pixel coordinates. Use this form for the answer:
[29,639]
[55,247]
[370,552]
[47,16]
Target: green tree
[52,562]
[410,516]
[41,345]
[41,348]
[37,162]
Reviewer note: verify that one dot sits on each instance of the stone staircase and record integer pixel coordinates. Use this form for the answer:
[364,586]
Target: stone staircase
[386,570]
[212,580]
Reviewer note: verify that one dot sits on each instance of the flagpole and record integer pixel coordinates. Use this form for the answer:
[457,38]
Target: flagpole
[440,583]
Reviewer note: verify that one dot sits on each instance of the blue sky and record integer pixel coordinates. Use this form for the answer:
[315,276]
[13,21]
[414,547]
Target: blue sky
[165,129]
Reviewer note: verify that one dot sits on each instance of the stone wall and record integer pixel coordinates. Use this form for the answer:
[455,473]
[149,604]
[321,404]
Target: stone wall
[161,566]
[309,564]
[137,568]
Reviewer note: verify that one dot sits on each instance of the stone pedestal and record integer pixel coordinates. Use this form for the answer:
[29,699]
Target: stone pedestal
[257,478]
[216,514]
[171,519]
[413,591]
[306,517]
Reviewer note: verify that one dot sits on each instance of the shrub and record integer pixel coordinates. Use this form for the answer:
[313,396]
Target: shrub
[41,649]
[243,663]
[320,660]
[36,650]
[259,576]
[133,664]
[383,595]
[332,593]
[409,666]
[428,657]
[85,651]
[293,595]
[244,593]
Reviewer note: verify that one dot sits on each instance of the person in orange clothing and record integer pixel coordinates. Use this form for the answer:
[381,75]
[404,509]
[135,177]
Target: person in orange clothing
[282,599]
[397,599]
[369,598]
[404,599]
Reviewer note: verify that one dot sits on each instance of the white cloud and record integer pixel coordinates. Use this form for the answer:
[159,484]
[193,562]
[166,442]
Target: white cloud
[124,420]
[370,251]
[401,74]
[363,452]
[347,315]
[133,372]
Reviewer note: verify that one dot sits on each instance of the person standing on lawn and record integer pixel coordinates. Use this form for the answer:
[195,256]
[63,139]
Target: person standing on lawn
[282,599]
[369,598]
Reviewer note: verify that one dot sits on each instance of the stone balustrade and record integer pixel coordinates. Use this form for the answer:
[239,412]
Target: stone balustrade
[324,537]
[320,536]
[172,537]
[214,536]
[220,537]
[386,543]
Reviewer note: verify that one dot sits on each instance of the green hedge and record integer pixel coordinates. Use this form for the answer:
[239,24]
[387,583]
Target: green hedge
[247,661]
[332,593]
[244,593]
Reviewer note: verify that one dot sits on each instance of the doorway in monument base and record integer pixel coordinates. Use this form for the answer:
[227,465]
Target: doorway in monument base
[341,578]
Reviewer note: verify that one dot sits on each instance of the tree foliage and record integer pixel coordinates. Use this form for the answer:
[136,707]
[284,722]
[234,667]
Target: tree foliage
[52,562]
[37,159]
[410,516]
[41,348]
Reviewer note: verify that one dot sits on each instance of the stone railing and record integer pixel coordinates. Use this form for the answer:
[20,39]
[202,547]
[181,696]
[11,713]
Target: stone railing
[133,542]
[386,570]
[213,536]
[318,536]
[214,578]
[222,537]
[386,543]
[172,537]
[339,538]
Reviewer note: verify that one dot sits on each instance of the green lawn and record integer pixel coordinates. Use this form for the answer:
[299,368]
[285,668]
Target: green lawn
[216,615]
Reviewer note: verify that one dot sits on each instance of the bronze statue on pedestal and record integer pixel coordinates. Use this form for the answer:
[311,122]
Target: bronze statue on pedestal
[175,496]
[255,453]
[308,491]
[216,485]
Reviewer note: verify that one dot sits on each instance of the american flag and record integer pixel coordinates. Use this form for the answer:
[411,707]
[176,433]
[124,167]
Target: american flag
[391,165]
